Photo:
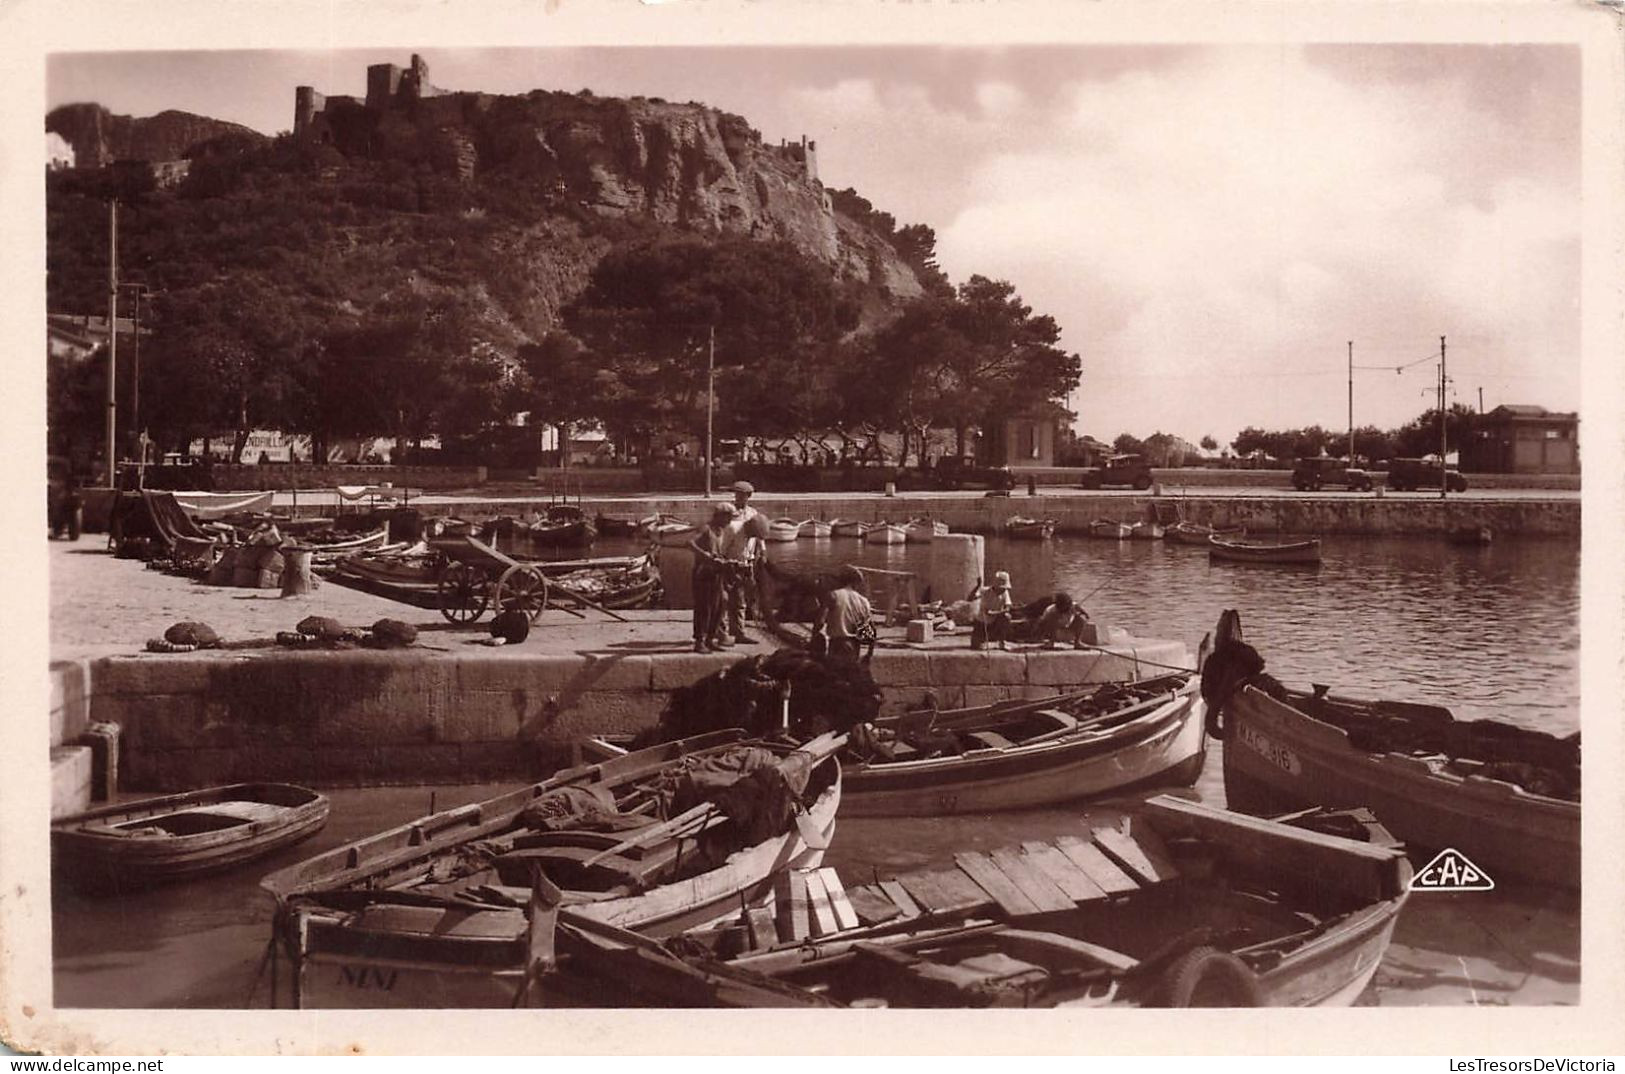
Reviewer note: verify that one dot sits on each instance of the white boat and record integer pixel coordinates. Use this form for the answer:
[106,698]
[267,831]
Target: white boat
[1112,531]
[922,530]
[884,533]
[815,527]
[783,529]
[846,527]
[1145,531]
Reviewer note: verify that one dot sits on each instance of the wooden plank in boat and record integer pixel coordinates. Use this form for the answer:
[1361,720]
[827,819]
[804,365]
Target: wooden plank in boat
[1068,877]
[790,906]
[1101,869]
[241,810]
[1147,865]
[822,916]
[943,890]
[763,932]
[871,905]
[1011,899]
[1360,869]
[900,897]
[990,740]
[1043,891]
[845,916]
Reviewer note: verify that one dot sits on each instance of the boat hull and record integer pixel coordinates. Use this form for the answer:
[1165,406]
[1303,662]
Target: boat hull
[884,535]
[1297,553]
[1111,531]
[1029,529]
[846,528]
[1166,746]
[1278,759]
[97,850]
[422,970]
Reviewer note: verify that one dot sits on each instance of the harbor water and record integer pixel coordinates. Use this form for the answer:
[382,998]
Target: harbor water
[1492,632]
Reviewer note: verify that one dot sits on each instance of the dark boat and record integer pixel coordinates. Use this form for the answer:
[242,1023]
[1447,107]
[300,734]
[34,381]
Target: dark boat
[617,526]
[1289,553]
[1506,797]
[1197,533]
[1179,905]
[1019,756]
[1472,535]
[1029,529]
[155,840]
[441,908]
[563,526]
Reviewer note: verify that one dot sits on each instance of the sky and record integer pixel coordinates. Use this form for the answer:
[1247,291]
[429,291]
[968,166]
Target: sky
[1211,226]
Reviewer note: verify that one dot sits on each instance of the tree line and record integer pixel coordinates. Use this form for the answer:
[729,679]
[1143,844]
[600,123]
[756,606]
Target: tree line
[366,306]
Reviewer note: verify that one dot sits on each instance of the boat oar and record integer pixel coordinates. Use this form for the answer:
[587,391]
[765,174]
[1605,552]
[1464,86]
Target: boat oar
[692,822]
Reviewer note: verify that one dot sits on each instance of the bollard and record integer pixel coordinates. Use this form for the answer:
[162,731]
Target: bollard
[957,563]
[891,488]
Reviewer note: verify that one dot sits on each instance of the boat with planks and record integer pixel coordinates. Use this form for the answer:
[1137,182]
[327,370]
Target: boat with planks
[669,531]
[438,912]
[1177,904]
[178,836]
[1020,528]
[1275,553]
[1019,755]
[1507,797]
[616,525]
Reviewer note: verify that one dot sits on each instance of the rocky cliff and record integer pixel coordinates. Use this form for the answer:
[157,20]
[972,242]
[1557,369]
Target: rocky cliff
[684,166]
[99,137]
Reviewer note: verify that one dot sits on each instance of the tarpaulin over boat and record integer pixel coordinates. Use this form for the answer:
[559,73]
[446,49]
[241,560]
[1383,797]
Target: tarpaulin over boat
[207,505]
[757,789]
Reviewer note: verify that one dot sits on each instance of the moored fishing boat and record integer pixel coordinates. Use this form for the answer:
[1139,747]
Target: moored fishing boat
[440,912]
[884,533]
[671,532]
[1146,531]
[178,836]
[923,530]
[563,526]
[816,527]
[846,527]
[1196,533]
[1029,529]
[783,529]
[1113,531]
[1178,904]
[1472,535]
[1506,797]
[1027,754]
[1290,553]
[616,525]
[637,584]
[417,565]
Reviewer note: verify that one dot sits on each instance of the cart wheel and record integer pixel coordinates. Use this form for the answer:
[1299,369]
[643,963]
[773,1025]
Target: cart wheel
[462,592]
[522,587]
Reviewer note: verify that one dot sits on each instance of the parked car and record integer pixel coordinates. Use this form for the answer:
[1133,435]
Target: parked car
[1407,474]
[1310,475]
[953,472]
[1132,471]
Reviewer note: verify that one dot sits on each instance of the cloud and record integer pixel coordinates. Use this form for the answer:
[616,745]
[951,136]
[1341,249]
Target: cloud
[1210,235]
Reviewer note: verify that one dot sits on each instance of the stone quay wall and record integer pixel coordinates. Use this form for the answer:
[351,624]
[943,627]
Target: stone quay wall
[361,717]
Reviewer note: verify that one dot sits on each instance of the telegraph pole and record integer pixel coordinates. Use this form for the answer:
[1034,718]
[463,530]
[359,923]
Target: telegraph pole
[112,343]
[1443,425]
[1351,402]
[710,405]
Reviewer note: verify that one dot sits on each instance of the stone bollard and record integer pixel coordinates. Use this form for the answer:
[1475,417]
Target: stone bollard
[891,488]
[957,563]
[297,579]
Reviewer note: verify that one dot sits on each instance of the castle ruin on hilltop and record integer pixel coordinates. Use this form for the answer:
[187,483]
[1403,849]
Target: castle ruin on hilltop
[392,88]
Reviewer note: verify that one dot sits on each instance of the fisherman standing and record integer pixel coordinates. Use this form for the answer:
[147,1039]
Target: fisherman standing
[746,534]
[848,617]
[709,578]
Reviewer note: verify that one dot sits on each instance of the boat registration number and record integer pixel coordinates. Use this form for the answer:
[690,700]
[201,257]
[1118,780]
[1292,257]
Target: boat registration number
[1272,751]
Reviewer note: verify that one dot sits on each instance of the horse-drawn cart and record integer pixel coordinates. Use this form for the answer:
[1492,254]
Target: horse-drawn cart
[475,576]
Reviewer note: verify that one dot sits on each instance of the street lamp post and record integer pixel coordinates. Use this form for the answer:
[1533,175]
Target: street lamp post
[112,344]
[710,405]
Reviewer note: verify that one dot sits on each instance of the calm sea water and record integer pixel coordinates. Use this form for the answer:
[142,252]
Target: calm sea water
[1489,632]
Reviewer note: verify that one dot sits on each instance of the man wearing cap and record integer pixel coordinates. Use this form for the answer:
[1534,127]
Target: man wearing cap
[993,620]
[743,541]
[709,578]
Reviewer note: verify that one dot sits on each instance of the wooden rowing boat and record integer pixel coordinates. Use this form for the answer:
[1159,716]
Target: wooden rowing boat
[1281,553]
[616,525]
[1029,529]
[671,533]
[1027,754]
[846,527]
[783,529]
[1196,533]
[815,527]
[1113,531]
[884,533]
[1146,531]
[1508,798]
[1178,904]
[923,530]
[438,913]
[1472,535]
[563,526]
[176,837]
